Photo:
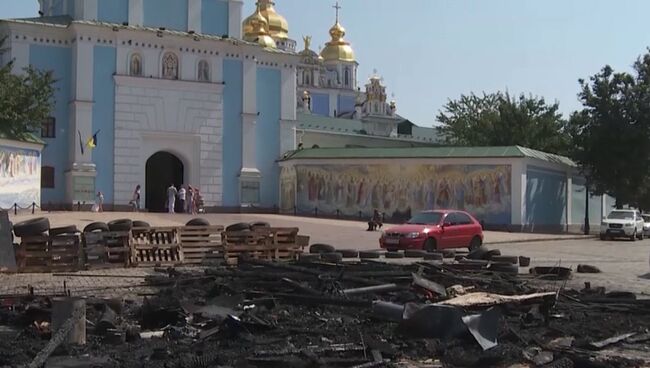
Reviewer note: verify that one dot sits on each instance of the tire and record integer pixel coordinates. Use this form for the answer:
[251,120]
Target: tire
[481,262]
[641,235]
[524,261]
[120,225]
[603,237]
[475,243]
[321,248]
[394,255]
[478,253]
[633,237]
[414,253]
[142,224]
[430,245]
[506,259]
[348,253]
[259,224]
[433,257]
[492,253]
[35,226]
[64,230]
[96,227]
[369,255]
[241,226]
[504,268]
[198,222]
[308,258]
[334,257]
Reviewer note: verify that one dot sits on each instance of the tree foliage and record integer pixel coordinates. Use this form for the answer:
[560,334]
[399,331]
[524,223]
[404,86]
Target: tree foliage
[26,99]
[611,134]
[497,119]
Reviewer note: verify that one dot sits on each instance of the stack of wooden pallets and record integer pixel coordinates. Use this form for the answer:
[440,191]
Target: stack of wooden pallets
[106,249]
[263,243]
[201,244]
[156,246]
[45,253]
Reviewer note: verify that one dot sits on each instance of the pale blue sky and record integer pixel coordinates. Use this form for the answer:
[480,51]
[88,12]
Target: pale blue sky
[431,50]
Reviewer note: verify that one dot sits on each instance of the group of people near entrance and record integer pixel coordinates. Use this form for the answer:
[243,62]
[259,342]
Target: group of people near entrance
[189,200]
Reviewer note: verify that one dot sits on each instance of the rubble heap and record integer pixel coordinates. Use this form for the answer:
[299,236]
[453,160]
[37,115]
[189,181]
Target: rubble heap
[361,314]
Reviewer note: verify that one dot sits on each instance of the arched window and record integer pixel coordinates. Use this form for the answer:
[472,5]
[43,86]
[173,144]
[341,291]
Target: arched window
[347,76]
[307,79]
[170,66]
[204,71]
[135,66]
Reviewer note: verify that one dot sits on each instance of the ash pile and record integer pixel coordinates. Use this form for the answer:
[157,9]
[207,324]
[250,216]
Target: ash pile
[317,314]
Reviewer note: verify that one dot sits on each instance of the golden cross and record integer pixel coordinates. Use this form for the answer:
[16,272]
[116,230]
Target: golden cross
[337,7]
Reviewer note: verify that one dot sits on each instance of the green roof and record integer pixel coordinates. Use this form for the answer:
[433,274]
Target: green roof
[428,152]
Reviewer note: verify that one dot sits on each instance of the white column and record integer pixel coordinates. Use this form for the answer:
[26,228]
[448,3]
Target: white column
[90,10]
[136,12]
[333,103]
[249,172]
[234,18]
[80,165]
[194,16]
[288,90]
[19,52]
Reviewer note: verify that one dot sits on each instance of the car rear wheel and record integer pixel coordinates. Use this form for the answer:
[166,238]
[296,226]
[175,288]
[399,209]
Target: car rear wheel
[475,243]
[430,245]
[641,235]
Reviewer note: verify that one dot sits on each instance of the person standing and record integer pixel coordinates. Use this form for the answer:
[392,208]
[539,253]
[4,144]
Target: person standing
[181,199]
[171,198]
[190,200]
[100,202]
[135,201]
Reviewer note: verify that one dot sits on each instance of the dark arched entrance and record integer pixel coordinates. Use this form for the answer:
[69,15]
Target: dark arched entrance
[163,169]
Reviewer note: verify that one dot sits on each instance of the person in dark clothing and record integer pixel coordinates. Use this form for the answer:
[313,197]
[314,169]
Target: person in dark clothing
[376,222]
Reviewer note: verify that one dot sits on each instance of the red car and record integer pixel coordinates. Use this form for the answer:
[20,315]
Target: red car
[431,230]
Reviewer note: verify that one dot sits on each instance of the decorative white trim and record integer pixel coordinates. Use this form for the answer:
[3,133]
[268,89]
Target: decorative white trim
[194,9]
[234,18]
[21,144]
[136,12]
[181,85]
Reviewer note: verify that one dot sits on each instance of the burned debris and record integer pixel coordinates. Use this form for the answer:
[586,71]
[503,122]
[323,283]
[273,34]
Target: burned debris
[318,314]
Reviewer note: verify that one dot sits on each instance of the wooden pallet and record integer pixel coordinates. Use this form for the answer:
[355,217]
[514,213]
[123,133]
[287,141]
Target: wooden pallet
[106,249]
[156,246]
[44,253]
[201,244]
[263,243]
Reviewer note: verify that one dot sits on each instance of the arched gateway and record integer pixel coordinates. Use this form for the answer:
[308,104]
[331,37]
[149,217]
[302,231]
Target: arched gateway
[162,170]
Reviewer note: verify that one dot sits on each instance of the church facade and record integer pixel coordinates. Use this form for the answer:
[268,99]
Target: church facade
[171,90]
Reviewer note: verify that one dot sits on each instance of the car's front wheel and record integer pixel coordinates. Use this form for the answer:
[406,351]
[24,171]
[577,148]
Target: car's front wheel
[430,245]
[641,235]
[603,237]
[634,236]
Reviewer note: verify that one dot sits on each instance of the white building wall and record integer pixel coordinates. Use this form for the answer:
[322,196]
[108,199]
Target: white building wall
[183,118]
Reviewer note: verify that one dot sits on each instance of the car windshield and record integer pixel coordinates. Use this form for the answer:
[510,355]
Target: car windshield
[426,218]
[621,215]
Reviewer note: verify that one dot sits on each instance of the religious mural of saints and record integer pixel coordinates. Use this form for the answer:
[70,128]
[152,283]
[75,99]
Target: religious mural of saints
[136,65]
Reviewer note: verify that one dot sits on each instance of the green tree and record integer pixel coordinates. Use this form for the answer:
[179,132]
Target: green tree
[25,99]
[497,119]
[611,134]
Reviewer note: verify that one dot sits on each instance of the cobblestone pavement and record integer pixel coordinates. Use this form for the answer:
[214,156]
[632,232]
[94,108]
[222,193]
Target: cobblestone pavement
[623,262]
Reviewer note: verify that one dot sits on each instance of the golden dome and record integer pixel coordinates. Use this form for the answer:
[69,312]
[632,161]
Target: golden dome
[258,30]
[277,25]
[338,49]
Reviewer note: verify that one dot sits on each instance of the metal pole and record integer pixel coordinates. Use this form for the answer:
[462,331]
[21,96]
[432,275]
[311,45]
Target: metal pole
[587,229]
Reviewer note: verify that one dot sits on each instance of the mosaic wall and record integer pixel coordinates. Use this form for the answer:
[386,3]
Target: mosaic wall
[399,190]
[20,177]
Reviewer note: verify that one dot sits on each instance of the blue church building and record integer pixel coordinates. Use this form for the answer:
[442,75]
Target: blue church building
[174,91]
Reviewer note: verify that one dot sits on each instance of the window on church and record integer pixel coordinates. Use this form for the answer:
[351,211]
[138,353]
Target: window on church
[47,177]
[170,66]
[347,77]
[48,128]
[135,67]
[307,79]
[204,71]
